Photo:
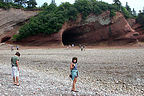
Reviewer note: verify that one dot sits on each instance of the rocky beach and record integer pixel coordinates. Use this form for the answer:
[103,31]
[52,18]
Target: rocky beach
[102,72]
[49,35]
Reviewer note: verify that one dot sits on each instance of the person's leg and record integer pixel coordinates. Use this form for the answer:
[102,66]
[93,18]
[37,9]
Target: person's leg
[73,86]
[74,82]
[14,81]
[17,75]
[17,82]
[13,75]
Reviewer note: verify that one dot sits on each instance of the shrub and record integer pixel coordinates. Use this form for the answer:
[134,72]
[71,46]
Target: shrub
[126,13]
[9,5]
[140,18]
[112,13]
[51,19]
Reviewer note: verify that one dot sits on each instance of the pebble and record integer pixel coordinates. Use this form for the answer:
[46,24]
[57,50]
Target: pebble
[43,79]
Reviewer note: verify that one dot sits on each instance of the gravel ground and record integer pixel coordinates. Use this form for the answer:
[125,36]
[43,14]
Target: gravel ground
[102,72]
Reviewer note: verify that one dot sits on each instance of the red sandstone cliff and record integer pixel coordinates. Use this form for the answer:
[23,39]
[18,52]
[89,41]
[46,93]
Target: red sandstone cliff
[10,21]
[93,31]
[138,28]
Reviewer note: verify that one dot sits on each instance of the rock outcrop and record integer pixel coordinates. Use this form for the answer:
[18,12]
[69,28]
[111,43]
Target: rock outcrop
[138,28]
[93,31]
[10,21]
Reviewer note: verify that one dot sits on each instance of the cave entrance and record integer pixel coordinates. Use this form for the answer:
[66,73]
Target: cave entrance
[71,36]
[5,39]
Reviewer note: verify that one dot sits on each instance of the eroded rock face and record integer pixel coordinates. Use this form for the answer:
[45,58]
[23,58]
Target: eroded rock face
[93,31]
[100,29]
[9,20]
[138,28]
[131,22]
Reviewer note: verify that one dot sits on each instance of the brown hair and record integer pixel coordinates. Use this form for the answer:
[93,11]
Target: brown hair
[18,54]
[74,58]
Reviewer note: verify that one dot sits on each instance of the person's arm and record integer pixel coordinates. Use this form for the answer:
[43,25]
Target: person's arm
[17,64]
[11,60]
[71,66]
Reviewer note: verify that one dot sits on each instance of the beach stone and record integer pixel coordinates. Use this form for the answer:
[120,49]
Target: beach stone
[6,93]
[56,82]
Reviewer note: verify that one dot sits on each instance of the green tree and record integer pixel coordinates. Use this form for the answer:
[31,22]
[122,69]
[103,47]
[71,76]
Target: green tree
[51,8]
[31,3]
[84,7]
[118,3]
[140,11]
[134,12]
[1,0]
[112,13]
[126,13]
[20,2]
[51,19]
[6,5]
[72,13]
[64,6]
[44,6]
[53,2]
[128,8]
[140,18]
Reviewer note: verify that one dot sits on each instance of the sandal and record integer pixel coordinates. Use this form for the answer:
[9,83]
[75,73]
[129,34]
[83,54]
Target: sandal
[17,84]
[14,83]
[74,91]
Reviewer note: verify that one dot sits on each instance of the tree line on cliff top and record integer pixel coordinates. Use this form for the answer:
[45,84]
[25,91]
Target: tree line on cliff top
[52,17]
[18,4]
[140,17]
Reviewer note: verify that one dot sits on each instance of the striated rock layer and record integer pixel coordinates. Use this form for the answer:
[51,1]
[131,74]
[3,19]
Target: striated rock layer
[138,28]
[10,21]
[94,30]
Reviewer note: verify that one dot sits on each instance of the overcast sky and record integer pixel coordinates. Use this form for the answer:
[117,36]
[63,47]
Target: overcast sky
[136,4]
